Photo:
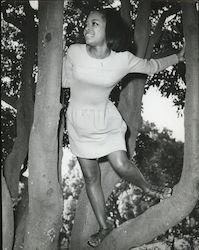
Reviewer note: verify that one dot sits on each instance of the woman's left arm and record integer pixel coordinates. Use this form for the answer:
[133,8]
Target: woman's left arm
[152,66]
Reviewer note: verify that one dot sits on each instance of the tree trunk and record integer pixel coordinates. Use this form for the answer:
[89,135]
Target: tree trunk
[131,97]
[25,108]
[45,196]
[16,158]
[7,216]
[20,216]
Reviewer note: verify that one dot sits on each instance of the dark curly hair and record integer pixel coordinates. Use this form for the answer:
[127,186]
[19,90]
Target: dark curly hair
[118,34]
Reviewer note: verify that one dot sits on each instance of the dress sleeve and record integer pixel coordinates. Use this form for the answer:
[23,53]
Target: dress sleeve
[67,70]
[152,66]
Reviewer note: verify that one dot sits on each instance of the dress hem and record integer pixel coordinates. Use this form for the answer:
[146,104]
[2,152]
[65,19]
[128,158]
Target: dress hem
[99,156]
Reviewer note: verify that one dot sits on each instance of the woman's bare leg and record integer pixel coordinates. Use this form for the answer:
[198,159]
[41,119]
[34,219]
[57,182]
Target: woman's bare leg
[127,170]
[92,176]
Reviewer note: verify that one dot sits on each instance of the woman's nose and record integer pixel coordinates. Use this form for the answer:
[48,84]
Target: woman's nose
[87,28]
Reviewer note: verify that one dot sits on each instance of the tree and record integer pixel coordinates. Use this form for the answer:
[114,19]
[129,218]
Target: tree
[135,232]
[25,104]
[19,47]
[7,216]
[131,96]
[45,196]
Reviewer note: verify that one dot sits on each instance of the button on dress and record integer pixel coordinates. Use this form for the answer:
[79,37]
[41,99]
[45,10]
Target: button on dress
[95,126]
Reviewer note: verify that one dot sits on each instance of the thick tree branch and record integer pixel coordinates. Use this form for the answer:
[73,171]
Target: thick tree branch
[158,30]
[156,220]
[125,11]
[7,216]
[142,20]
[25,105]
[45,197]
[29,23]
[131,95]
[191,146]
[165,53]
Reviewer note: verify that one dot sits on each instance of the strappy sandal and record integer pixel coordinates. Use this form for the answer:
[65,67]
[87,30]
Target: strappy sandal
[160,193]
[98,237]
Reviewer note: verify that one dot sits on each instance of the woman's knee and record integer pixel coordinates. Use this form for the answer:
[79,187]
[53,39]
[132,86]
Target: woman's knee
[91,171]
[120,162]
[91,177]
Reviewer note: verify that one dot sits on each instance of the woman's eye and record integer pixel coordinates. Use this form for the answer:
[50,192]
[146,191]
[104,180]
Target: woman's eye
[95,24]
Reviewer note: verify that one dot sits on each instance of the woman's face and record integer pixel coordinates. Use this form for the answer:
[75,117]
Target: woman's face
[94,32]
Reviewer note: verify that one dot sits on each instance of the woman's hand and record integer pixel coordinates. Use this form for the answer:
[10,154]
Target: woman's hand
[180,55]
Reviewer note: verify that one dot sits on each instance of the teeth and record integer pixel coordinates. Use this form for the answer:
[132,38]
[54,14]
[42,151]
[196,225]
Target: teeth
[89,35]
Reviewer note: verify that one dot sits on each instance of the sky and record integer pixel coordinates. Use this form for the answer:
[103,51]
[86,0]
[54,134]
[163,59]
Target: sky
[161,111]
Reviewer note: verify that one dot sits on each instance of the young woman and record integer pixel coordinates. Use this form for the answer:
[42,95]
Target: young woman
[95,127]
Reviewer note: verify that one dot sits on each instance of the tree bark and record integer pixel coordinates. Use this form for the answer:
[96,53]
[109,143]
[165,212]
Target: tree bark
[20,216]
[15,159]
[45,195]
[131,95]
[25,108]
[7,216]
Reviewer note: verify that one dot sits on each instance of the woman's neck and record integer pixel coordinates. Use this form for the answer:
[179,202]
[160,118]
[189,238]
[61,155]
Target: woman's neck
[98,52]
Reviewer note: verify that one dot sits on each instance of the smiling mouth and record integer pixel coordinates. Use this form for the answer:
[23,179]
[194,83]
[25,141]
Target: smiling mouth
[88,35]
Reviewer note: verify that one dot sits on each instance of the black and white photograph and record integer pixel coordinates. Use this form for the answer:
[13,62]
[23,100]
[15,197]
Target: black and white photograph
[100,124]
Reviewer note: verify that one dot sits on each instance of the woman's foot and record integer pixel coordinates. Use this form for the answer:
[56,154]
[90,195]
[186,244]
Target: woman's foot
[98,237]
[159,192]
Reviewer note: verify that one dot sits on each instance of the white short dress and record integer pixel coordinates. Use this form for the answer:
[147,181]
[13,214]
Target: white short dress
[95,126]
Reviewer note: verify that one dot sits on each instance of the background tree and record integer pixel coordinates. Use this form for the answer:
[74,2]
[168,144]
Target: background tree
[18,57]
[45,196]
[21,15]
